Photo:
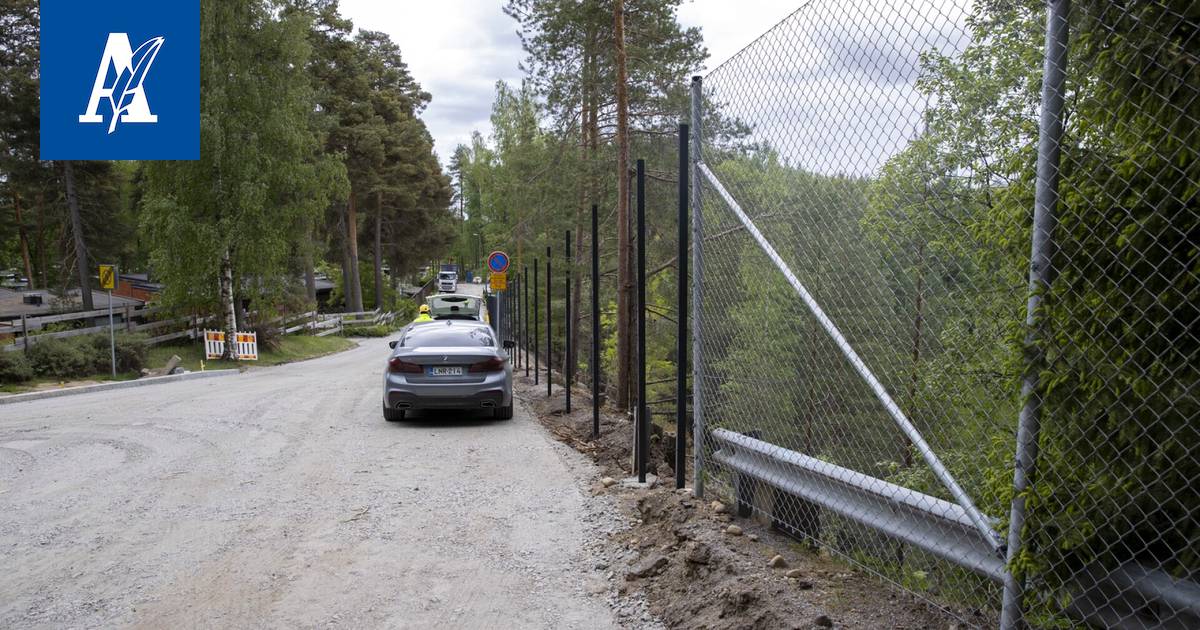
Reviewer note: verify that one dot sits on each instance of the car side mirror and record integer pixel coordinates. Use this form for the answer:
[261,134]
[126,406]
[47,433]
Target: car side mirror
[392,344]
[509,344]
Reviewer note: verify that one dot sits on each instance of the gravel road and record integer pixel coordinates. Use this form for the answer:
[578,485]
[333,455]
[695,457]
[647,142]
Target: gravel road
[280,497]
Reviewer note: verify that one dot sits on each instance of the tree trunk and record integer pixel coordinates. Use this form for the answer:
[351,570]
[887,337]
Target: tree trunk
[81,254]
[228,311]
[624,253]
[310,276]
[345,260]
[378,250]
[41,240]
[23,239]
[354,290]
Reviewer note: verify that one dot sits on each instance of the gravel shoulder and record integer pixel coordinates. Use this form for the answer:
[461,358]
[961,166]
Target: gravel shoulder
[697,566]
[281,498]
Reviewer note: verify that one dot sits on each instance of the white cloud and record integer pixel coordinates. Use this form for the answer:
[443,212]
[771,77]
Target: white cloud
[458,49]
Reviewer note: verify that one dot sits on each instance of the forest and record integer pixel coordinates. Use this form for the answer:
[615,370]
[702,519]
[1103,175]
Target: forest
[314,160]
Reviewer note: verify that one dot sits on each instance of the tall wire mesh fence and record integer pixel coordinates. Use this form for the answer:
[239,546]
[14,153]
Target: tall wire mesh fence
[886,155]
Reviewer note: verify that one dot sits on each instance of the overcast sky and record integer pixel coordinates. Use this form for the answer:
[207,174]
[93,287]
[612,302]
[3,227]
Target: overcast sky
[458,49]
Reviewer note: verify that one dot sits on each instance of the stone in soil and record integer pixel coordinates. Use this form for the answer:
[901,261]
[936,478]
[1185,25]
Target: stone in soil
[824,621]
[718,507]
[697,553]
[649,567]
[733,530]
[795,573]
[608,482]
[777,562]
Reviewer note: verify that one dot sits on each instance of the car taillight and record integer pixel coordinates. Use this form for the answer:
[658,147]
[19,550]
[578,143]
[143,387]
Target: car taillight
[396,364]
[491,365]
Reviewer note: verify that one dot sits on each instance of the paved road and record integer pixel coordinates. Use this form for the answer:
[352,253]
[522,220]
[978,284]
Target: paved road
[280,497]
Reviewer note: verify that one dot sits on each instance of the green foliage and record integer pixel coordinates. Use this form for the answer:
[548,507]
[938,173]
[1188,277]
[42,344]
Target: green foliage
[14,368]
[85,355]
[367,331]
[1117,446]
[61,358]
[260,181]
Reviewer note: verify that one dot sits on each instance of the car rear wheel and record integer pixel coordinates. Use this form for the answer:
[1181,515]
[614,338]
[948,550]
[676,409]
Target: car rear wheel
[503,413]
[393,415]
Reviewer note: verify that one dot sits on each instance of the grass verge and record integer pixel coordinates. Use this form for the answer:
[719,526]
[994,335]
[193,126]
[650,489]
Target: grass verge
[291,348]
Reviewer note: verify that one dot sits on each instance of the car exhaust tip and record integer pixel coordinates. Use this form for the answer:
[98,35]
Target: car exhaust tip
[403,405]
[488,404]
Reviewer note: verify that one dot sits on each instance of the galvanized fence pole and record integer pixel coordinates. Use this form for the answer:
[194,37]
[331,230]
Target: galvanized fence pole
[1041,275]
[549,335]
[595,322]
[681,299]
[643,409]
[697,286]
[567,366]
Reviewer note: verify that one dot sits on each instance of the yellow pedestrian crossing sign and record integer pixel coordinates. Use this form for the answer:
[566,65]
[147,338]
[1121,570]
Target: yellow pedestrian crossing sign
[500,281]
[108,277]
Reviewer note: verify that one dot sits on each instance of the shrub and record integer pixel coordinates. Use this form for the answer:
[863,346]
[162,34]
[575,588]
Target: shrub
[366,331]
[85,355]
[59,358]
[132,353]
[14,368]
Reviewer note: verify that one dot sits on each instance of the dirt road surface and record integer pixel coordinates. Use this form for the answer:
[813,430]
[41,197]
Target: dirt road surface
[281,498]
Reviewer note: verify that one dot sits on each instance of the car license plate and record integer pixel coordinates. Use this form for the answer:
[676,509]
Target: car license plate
[455,370]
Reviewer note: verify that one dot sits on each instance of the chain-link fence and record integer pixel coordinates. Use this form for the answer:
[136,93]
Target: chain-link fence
[875,346]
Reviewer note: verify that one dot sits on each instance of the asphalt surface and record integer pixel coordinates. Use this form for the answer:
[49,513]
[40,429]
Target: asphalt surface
[281,498]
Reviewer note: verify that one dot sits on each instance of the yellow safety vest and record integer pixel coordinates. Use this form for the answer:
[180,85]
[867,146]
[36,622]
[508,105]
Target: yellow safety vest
[423,317]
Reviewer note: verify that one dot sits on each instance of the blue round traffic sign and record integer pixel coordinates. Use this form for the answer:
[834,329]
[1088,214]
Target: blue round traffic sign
[498,262]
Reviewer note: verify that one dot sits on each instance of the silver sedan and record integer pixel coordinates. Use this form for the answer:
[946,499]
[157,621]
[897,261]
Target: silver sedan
[448,364]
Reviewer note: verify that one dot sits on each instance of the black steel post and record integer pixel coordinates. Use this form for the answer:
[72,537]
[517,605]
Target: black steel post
[681,298]
[517,316]
[643,410]
[567,325]
[536,315]
[525,316]
[549,316]
[595,322]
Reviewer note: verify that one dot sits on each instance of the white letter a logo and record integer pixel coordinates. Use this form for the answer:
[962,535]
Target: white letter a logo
[125,95]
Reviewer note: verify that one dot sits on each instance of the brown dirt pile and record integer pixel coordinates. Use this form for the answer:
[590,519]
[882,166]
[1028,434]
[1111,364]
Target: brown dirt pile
[699,567]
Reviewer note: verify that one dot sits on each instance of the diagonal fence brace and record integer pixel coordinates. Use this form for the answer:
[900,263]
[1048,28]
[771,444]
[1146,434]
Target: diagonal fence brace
[981,522]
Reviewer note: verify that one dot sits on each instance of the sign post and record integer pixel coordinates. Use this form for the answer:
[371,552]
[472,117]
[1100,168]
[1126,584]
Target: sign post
[108,281]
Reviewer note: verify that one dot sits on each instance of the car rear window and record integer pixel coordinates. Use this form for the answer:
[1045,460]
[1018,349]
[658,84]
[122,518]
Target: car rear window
[449,336]
[455,305]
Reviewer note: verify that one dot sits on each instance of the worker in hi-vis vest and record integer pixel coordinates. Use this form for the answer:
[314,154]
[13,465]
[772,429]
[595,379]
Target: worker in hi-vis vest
[423,315]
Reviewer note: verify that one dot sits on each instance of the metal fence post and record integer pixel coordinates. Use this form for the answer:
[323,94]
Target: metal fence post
[697,286]
[595,322]
[549,317]
[536,328]
[525,316]
[681,306]
[643,409]
[1041,275]
[567,324]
